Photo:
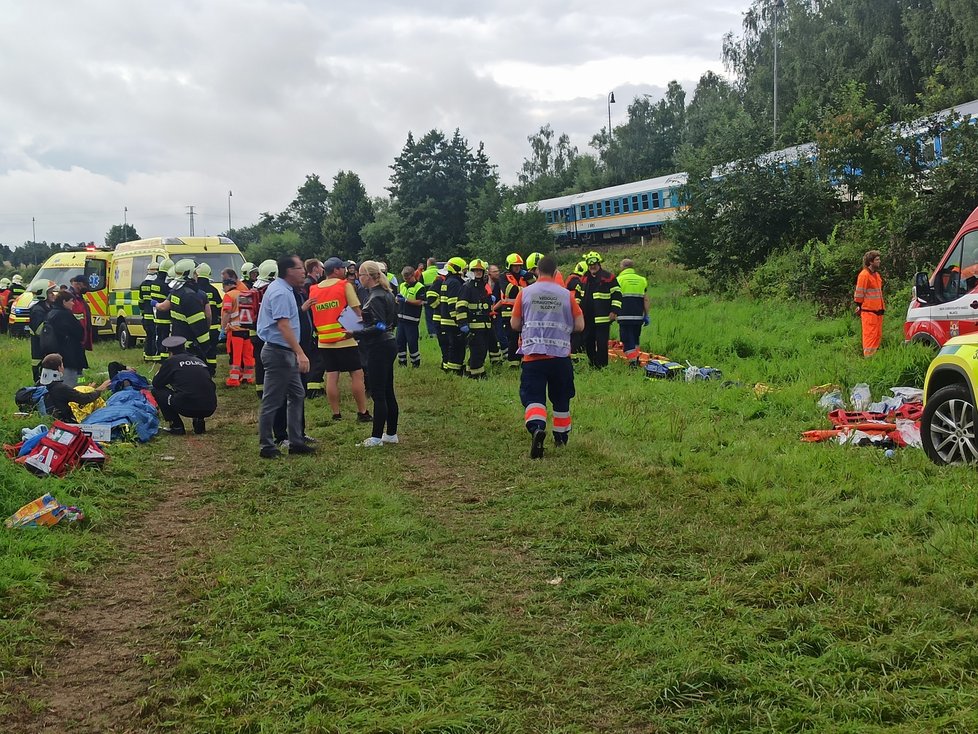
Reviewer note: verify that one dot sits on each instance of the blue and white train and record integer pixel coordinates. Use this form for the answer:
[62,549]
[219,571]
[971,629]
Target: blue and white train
[643,207]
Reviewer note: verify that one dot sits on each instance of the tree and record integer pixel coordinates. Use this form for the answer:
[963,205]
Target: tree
[306,215]
[119,233]
[382,236]
[349,211]
[512,231]
[546,172]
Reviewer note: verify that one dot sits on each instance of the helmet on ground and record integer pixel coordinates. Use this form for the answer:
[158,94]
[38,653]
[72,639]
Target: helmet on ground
[513,259]
[166,265]
[203,270]
[580,268]
[533,259]
[184,268]
[593,258]
[17,279]
[152,267]
[478,264]
[268,269]
[455,265]
[41,287]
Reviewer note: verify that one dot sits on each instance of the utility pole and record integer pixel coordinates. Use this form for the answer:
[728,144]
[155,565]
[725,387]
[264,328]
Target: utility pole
[125,220]
[229,213]
[190,208]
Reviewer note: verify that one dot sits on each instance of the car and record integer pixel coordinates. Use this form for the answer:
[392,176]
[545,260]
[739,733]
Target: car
[948,428]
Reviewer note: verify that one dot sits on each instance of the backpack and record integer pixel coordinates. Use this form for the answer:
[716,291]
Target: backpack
[660,369]
[48,339]
[31,398]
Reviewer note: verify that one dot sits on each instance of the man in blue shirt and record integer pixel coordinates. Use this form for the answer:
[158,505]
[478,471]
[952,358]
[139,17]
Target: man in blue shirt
[279,328]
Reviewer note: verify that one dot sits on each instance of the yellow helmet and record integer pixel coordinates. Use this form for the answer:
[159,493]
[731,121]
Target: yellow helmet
[533,259]
[513,259]
[203,270]
[478,264]
[184,268]
[593,257]
[580,268]
[268,269]
[455,265]
[166,264]
[247,268]
[41,287]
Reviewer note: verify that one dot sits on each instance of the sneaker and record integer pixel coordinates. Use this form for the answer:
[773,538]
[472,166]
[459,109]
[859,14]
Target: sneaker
[270,453]
[389,438]
[310,440]
[365,417]
[302,448]
[199,425]
[369,442]
[284,444]
[536,447]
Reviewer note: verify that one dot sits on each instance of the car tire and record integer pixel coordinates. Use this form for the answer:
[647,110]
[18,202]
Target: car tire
[927,340]
[123,336]
[948,428]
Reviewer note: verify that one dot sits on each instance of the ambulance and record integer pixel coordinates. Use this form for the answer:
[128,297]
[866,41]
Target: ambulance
[61,267]
[945,305]
[120,278]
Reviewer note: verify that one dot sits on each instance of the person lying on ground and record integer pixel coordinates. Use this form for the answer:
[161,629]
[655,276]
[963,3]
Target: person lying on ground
[59,395]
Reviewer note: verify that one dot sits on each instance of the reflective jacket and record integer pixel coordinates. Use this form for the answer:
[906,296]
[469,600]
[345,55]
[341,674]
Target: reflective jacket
[448,299]
[633,287]
[600,296]
[328,303]
[159,292]
[510,285]
[869,291]
[416,292]
[473,305]
[146,298]
[433,297]
[187,314]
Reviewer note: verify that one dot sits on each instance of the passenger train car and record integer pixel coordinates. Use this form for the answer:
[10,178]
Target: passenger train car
[643,207]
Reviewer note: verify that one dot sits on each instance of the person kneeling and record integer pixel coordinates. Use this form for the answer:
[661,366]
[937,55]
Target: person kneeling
[59,397]
[184,387]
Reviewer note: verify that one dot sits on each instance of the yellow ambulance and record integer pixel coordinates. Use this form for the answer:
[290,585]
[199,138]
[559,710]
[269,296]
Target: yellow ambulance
[122,276]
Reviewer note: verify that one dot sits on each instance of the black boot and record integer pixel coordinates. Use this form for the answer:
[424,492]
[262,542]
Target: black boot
[199,426]
[176,428]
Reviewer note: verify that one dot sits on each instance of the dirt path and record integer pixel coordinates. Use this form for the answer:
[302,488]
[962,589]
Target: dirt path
[115,627]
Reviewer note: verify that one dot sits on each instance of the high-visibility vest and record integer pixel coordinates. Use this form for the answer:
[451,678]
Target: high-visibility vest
[416,292]
[869,291]
[633,287]
[329,302]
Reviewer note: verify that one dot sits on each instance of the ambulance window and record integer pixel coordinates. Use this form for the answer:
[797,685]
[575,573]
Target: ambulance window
[969,260]
[949,283]
[138,273]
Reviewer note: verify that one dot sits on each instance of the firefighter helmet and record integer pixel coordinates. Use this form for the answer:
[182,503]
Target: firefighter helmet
[593,258]
[455,265]
[533,259]
[152,267]
[17,279]
[478,264]
[166,265]
[268,269]
[580,268]
[246,269]
[184,268]
[513,259]
[203,270]
[41,287]
[4,282]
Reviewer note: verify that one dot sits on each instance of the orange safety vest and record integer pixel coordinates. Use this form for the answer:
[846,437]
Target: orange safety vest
[329,301]
[869,291]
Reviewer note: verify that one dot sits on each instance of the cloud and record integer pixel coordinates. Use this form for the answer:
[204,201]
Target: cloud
[109,104]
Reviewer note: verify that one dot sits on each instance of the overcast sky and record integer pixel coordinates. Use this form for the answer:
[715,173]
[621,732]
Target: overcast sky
[157,106]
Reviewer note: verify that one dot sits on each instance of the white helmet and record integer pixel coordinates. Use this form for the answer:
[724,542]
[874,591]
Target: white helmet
[4,282]
[267,270]
[17,279]
[184,268]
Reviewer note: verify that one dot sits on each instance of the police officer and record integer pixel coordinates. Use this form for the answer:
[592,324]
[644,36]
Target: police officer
[214,298]
[160,291]
[634,310]
[183,387]
[150,347]
[473,311]
[190,314]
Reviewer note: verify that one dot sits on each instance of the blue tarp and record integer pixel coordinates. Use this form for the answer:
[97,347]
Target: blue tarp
[128,406]
[134,379]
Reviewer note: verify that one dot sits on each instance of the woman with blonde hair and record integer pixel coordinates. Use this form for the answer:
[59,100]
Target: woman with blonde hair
[377,342]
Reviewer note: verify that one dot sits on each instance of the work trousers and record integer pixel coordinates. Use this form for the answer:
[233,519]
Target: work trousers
[257,345]
[173,405]
[543,378]
[596,343]
[162,332]
[478,344]
[380,356]
[209,350]
[407,342]
[453,348]
[429,320]
[241,358]
[282,385]
[631,335]
[512,343]
[499,331]
[151,352]
[872,332]
[316,377]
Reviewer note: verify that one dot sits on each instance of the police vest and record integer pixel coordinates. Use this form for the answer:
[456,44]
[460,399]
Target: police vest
[330,300]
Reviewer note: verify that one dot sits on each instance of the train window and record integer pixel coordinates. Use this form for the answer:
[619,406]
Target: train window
[634,203]
[655,200]
[624,205]
[600,209]
[590,210]
[550,217]
[607,207]
[645,202]
[617,206]
[583,212]
[569,214]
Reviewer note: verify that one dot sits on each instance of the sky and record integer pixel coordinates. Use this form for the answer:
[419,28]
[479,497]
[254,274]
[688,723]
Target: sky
[115,111]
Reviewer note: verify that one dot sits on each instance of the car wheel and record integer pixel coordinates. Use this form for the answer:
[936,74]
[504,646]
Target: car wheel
[947,427]
[123,335]
[927,340]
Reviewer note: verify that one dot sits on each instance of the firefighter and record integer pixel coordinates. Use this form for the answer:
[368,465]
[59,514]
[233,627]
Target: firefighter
[410,299]
[547,314]
[495,287]
[160,292]
[573,284]
[189,312]
[473,309]
[454,340]
[634,310]
[241,357]
[6,304]
[869,302]
[214,298]
[427,278]
[150,353]
[45,290]
[531,266]
[265,275]
[16,287]
[601,304]
[183,386]
[433,301]
[513,282]
[249,274]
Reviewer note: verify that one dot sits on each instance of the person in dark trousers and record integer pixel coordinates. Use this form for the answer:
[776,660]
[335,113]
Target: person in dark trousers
[150,347]
[214,298]
[410,298]
[59,395]
[601,303]
[546,314]
[45,290]
[184,387]
[378,343]
[67,334]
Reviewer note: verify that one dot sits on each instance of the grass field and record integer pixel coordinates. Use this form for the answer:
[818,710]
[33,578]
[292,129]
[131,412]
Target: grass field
[686,565]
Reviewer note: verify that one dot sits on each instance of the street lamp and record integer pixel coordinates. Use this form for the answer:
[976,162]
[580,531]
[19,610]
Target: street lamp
[229,213]
[611,101]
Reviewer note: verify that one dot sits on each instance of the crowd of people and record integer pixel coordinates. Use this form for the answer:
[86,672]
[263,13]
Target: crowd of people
[292,329]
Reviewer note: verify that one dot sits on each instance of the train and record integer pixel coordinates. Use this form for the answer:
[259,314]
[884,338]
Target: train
[642,208]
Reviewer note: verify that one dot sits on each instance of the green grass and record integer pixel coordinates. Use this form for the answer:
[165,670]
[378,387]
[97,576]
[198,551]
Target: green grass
[716,574]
